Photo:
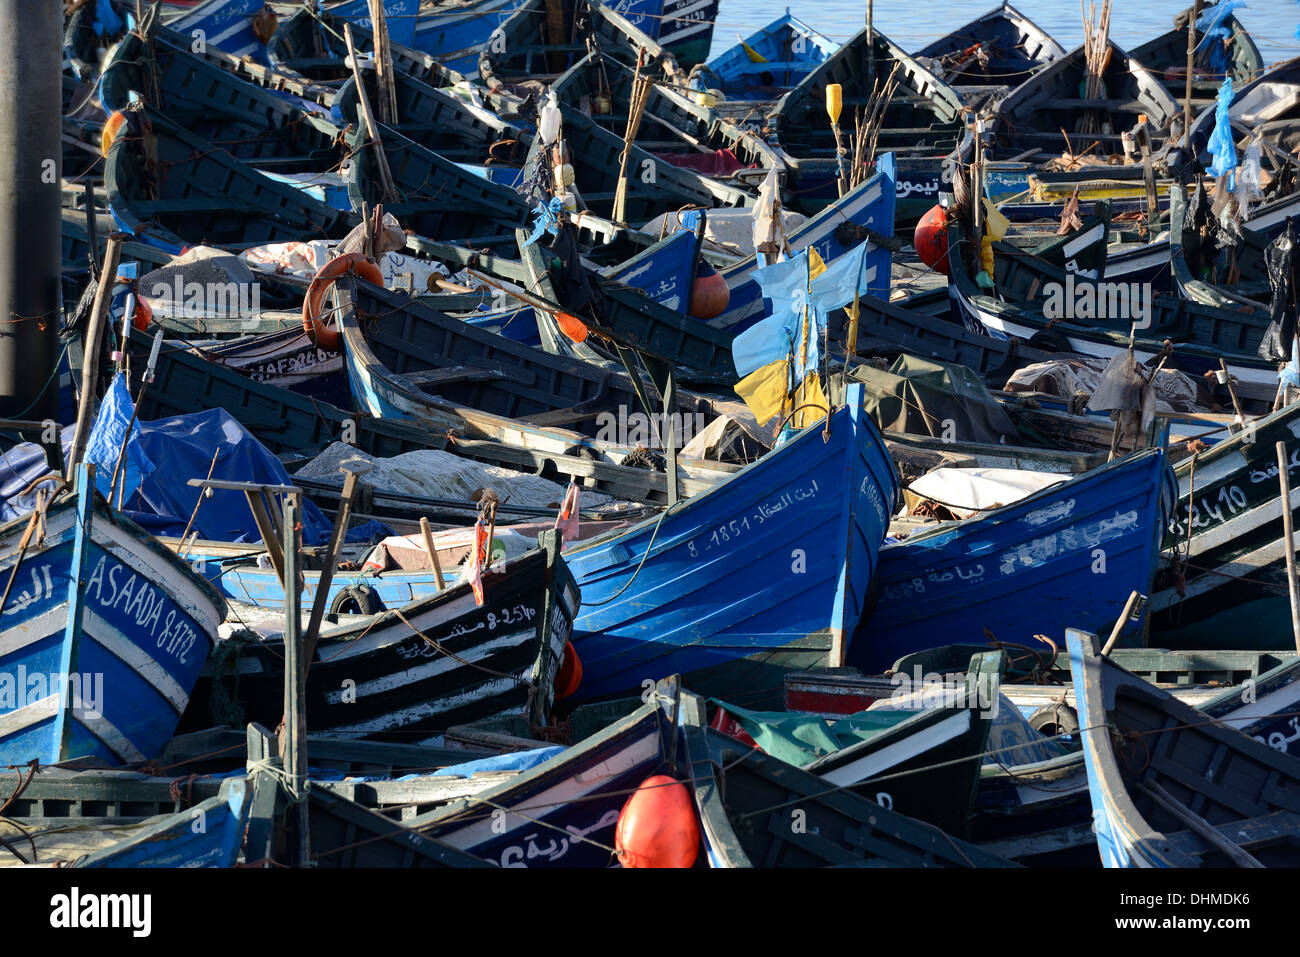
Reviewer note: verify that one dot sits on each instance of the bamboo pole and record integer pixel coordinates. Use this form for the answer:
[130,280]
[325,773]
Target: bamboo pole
[90,350]
[1191,60]
[372,129]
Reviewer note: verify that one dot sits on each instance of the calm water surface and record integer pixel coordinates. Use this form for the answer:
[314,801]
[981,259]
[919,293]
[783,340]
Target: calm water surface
[913,23]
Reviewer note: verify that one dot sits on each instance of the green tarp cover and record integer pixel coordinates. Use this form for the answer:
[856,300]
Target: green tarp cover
[924,397]
[799,739]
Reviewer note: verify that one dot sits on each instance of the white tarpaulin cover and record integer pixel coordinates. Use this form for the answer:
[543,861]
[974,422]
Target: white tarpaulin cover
[967,491]
[432,473]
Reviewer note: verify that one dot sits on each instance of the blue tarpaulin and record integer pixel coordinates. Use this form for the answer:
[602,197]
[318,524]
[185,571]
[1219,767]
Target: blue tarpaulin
[1221,146]
[104,446]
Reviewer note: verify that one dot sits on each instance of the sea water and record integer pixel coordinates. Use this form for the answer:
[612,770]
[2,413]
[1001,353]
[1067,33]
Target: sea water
[914,23]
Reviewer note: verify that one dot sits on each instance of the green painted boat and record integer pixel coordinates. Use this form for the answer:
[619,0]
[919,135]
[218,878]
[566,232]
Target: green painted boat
[672,126]
[922,125]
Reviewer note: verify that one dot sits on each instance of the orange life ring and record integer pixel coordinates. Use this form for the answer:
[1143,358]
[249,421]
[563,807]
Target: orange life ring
[355,263]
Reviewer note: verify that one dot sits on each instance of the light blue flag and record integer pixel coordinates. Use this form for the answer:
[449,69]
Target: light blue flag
[106,438]
[785,286]
[847,276]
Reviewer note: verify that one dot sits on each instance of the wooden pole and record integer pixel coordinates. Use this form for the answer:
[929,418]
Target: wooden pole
[372,129]
[321,599]
[1119,624]
[90,351]
[295,677]
[1288,532]
[1191,59]
[1226,378]
[433,552]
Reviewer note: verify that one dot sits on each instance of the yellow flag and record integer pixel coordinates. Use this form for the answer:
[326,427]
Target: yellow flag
[815,265]
[995,224]
[764,390]
[754,55]
[812,398]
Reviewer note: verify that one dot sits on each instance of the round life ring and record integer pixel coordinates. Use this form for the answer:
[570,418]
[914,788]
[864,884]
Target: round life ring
[355,263]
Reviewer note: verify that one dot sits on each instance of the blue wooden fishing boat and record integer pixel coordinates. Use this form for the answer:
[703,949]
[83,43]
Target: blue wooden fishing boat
[420,668]
[177,840]
[1170,789]
[865,212]
[767,63]
[1070,552]
[412,362]
[102,635]
[225,24]
[683,27]
[563,812]
[455,33]
[766,572]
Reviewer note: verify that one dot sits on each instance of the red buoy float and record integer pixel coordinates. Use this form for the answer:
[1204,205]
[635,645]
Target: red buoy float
[657,826]
[710,294]
[355,263]
[931,239]
[569,677]
[571,326]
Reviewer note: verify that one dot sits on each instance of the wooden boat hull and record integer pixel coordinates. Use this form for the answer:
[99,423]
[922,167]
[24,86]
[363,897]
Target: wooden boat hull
[102,640]
[412,672]
[868,209]
[1012,45]
[1153,762]
[563,812]
[922,125]
[767,572]
[790,50]
[745,800]
[175,841]
[1226,531]
[1069,552]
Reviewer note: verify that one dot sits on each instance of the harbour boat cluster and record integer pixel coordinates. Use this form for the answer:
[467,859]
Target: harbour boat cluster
[501,433]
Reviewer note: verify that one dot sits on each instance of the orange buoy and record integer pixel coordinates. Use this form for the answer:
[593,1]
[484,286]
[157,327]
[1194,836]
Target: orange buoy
[355,263]
[710,295]
[143,313]
[111,127]
[931,239]
[569,677]
[571,326]
[657,826]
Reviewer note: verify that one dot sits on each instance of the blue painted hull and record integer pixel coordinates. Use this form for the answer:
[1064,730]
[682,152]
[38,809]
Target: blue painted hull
[101,601]
[791,49]
[226,25]
[770,567]
[683,27]
[664,271]
[579,791]
[1068,555]
[456,38]
[870,206]
[178,841]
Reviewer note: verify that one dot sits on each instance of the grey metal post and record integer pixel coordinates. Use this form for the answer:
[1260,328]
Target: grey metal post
[31,223]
